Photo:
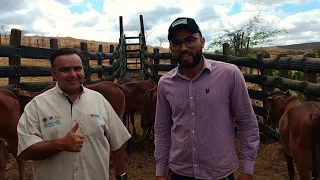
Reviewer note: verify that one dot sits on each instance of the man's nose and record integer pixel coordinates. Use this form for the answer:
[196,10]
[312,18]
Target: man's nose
[72,73]
[183,46]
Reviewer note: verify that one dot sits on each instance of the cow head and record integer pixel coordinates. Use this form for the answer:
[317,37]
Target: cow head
[276,103]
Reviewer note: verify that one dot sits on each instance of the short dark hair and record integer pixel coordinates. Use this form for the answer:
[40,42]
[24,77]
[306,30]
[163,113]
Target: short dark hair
[62,51]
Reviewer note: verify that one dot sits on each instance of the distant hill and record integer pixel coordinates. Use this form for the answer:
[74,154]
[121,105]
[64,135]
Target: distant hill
[302,46]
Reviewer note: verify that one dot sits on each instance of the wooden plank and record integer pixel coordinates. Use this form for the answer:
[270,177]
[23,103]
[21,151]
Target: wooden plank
[308,64]
[164,67]
[97,56]
[269,132]
[34,86]
[163,56]
[285,83]
[256,94]
[10,87]
[271,81]
[100,69]
[43,53]
[34,52]
[24,71]
[259,110]
[133,37]
[15,39]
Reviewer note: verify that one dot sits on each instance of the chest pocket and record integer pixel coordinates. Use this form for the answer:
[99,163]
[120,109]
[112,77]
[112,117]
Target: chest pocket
[91,125]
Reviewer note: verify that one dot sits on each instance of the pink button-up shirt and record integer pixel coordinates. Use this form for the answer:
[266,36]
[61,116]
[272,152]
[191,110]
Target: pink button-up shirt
[194,126]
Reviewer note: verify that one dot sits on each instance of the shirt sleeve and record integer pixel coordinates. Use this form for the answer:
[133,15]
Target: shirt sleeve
[162,132]
[245,119]
[28,128]
[116,133]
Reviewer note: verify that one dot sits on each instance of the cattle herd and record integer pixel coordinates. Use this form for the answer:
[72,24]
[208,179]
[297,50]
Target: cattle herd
[297,123]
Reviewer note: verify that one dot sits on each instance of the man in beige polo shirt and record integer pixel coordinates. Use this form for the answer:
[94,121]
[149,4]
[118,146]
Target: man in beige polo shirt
[69,130]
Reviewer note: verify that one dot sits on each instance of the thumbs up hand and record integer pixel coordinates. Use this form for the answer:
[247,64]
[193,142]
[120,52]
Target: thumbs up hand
[73,141]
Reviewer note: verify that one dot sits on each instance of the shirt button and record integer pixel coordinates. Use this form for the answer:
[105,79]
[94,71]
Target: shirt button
[194,149]
[195,165]
[193,131]
[191,97]
[76,169]
[192,113]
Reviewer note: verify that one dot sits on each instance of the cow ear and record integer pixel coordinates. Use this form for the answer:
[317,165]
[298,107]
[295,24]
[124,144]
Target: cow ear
[269,98]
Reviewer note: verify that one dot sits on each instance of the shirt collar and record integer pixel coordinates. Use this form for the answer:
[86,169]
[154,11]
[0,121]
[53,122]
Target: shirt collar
[59,90]
[206,65]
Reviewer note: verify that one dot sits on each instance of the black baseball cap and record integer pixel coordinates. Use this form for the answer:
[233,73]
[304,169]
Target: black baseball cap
[183,21]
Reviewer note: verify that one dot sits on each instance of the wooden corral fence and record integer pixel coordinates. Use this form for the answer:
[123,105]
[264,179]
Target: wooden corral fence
[114,71]
[310,66]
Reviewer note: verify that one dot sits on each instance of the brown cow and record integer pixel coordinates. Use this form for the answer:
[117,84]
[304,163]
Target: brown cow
[148,112]
[136,91]
[299,127]
[10,114]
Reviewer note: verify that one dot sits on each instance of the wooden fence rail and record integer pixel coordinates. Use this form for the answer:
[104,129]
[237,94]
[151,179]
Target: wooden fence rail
[15,70]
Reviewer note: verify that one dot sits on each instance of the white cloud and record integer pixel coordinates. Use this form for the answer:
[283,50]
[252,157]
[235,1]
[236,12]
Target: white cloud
[54,18]
[76,1]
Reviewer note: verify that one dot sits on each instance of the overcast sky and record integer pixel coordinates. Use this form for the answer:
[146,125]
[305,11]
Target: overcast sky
[99,19]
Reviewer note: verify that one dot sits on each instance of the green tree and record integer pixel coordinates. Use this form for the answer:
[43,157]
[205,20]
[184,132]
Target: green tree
[243,39]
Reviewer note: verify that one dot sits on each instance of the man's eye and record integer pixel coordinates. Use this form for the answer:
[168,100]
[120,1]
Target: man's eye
[63,70]
[177,42]
[78,68]
[190,39]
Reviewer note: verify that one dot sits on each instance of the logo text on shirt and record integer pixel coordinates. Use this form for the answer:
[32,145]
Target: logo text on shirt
[94,115]
[51,121]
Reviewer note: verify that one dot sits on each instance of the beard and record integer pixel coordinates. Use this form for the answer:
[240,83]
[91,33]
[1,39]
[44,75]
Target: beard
[189,65]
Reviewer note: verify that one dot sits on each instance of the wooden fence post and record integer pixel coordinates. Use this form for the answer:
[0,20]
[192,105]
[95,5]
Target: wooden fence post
[267,72]
[15,39]
[283,73]
[226,49]
[84,48]
[111,51]
[54,45]
[265,54]
[100,50]
[310,77]
[142,31]
[155,61]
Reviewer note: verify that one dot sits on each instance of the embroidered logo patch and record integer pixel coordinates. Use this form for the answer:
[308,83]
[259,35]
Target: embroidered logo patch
[94,115]
[51,121]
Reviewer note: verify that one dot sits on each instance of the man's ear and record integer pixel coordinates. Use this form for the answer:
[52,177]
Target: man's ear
[53,73]
[203,41]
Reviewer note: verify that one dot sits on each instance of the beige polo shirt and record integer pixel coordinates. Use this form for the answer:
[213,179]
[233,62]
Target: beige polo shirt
[50,116]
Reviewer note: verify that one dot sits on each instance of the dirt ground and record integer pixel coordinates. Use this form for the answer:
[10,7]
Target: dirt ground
[269,165]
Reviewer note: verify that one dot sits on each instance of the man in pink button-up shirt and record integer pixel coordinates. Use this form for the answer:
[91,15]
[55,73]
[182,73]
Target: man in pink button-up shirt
[198,105]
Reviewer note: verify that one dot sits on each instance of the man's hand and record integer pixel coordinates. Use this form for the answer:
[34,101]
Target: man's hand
[243,176]
[73,141]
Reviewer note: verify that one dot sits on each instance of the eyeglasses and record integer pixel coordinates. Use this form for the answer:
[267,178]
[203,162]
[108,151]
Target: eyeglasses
[189,42]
